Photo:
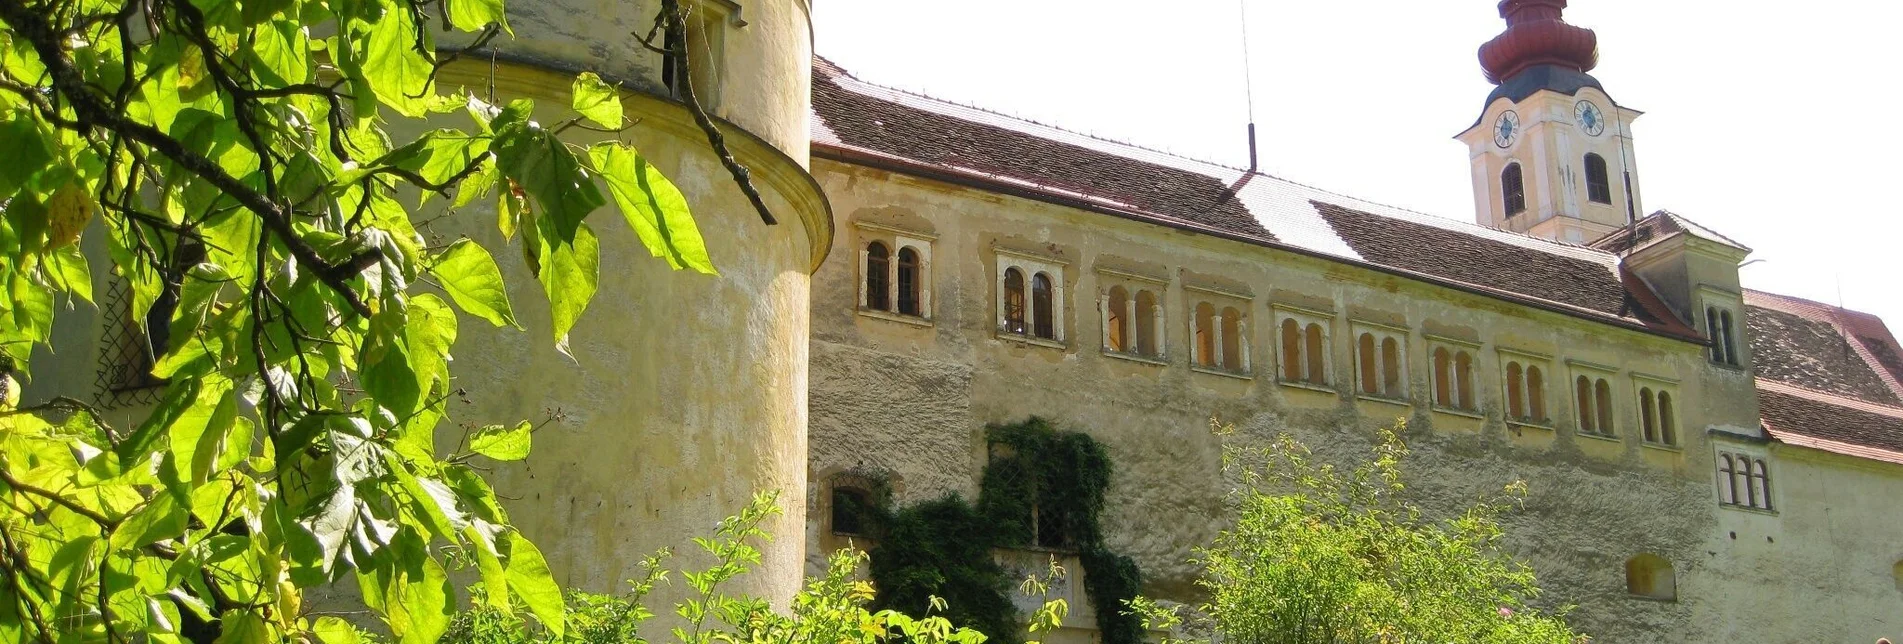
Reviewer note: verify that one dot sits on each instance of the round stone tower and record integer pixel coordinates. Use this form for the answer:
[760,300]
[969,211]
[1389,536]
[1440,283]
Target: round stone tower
[686,393]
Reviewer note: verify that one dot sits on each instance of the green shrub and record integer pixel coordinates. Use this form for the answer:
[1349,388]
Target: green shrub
[1321,555]
[1042,488]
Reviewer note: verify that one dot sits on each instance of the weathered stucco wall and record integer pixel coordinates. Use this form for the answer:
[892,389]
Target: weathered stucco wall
[911,399]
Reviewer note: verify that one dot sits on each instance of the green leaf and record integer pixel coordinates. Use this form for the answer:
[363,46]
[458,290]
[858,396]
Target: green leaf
[244,627]
[68,268]
[386,366]
[334,630]
[282,50]
[570,275]
[503,443]
[531,581]
[28,151]
[547,170]
[596,100]
[162,518]
[470,276]
[440,155]
[653,207]
[419,600]
[473,15]
[495,580]
[430,332]
[395,70]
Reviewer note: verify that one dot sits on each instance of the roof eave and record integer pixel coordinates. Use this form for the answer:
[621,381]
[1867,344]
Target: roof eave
[889,162]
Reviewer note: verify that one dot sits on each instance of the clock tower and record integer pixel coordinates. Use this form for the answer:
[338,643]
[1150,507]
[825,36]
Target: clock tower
[1552,153]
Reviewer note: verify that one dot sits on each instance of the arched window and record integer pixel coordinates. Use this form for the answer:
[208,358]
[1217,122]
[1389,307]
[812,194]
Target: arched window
[908,281]
[1536,394]
[1443,380]
[1727,486]
[1741,481]
[1232,339]
[1712,327]
[1370,375]
[1146,341]
[1668,421]
[1291,350]
[1014,301]
[1116,321]
[1516,394]
[1041,316]
[1598,181]
[851,507]
[1760,485]
[1602,393]
[1648,420]
[878,276]
[1513,189]
[1730,339]
[1317,355]
[1391,383]
[1205,335]
[1584,402]
[1650,576]
[1463,380]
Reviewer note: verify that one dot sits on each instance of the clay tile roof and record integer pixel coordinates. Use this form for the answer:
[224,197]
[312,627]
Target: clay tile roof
[1823,348]
[1828,378]
[861,122]
[1793,415]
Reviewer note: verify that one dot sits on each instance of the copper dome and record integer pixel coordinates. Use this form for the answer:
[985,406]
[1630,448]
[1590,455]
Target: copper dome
[1537,35]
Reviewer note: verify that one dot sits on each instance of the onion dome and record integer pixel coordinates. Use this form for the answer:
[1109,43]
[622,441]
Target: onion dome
[1537,35]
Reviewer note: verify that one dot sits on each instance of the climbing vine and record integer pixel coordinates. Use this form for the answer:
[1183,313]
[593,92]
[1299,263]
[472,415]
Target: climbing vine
[1042,488]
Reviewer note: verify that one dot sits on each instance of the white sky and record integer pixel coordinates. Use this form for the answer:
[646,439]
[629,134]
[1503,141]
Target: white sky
[1771,122]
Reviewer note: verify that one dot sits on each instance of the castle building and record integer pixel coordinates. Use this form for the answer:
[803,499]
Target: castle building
[1706,463]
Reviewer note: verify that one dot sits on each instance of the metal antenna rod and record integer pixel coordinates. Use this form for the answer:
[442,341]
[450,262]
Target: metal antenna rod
[1248,83]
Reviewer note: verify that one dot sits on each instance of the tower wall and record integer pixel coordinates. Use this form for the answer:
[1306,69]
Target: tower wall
[686,393]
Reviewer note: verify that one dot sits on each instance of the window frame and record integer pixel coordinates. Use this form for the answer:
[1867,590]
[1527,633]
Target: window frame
[1392,384]
[1220,302]
[1603,403]
[896,241]
[1455,348]
[1304,319]
[1134,286]
[1515,188]
[1749,480]
[1599,192]
[1528,360]
[1720,318]
[1031,266]
[1658,417]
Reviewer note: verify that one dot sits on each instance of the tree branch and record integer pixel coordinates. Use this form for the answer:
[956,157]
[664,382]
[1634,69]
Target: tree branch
[91,112]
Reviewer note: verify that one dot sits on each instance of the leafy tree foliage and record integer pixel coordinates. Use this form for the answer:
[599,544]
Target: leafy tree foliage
[235,155]
[829,610]
[1322,555]
[1042,488]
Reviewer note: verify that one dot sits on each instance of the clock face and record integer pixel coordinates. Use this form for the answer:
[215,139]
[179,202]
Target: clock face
[1590,119]
[1507,129]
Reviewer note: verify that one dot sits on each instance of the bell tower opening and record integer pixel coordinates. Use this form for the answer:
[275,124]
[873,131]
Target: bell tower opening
[1552,152]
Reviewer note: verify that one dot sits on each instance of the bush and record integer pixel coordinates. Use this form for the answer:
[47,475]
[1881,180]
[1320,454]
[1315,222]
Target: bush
[831,610]
[1320,555]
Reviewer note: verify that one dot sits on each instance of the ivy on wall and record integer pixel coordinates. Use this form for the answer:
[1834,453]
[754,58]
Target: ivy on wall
[1042,488]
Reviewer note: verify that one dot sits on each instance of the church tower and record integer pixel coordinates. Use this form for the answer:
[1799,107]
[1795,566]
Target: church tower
[1552,153]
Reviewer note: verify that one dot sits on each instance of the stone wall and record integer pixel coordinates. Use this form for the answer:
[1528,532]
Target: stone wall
[910,398]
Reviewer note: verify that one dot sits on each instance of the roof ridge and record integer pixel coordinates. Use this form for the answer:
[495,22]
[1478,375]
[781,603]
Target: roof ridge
[972,106]
[1721,236]
[842,71]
